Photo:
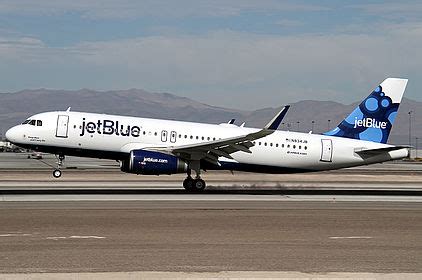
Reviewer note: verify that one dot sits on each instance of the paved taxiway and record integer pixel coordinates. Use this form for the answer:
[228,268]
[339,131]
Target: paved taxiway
[101,220]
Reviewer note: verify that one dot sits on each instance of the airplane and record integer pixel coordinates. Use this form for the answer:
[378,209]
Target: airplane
[155,147]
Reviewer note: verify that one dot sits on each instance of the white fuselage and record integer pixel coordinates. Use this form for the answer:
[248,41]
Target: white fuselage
[111,136]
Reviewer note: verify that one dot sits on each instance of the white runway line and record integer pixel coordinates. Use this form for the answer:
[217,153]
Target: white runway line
[350,237]
[56,237]
[75,237]
[86,237]
[15,234]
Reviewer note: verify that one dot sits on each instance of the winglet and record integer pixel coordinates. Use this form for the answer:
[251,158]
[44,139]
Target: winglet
[276,121]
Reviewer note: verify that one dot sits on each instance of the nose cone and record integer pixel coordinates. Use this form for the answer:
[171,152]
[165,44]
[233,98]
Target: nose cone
[13,134]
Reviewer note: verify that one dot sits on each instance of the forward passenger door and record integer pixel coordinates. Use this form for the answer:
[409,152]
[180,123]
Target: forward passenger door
[62,126]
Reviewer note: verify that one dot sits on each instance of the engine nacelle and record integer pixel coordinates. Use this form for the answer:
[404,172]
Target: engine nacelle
[153,163]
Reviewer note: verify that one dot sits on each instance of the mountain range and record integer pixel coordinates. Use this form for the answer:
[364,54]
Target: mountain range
[16,107]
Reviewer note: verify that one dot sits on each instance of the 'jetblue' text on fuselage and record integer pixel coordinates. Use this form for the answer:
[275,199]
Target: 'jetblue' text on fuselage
[109,127]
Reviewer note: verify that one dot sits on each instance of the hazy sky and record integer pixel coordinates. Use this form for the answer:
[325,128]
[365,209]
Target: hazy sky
[240,53]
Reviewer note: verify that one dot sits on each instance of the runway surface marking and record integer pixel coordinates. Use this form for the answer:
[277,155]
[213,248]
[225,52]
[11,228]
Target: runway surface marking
[75,237]
[15,234]
[350,237]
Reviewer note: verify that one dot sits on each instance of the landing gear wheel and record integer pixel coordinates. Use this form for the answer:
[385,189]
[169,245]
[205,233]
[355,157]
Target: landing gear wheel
[57,173]
[199,184]
[188,184]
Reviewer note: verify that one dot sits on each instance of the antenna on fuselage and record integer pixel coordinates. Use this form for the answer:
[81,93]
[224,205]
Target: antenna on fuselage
[68,109]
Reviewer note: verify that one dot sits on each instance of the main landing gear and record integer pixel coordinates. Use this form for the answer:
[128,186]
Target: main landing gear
[57,173]
[196,184]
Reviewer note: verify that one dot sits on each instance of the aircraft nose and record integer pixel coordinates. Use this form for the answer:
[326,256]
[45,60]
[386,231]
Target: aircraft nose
[12,135]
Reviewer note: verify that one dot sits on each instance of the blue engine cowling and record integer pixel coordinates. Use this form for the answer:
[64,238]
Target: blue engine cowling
[153,163]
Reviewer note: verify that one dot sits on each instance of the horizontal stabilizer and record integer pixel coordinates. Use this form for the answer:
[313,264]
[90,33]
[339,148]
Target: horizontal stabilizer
[374,152]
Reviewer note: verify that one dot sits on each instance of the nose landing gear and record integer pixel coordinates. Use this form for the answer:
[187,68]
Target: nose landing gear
[57,173]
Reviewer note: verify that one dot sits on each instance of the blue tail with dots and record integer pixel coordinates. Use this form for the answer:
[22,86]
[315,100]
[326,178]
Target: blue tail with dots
[373,119]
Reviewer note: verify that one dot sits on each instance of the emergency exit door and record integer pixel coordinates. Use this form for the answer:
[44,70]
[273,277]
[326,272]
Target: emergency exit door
[62,126]
[327,150]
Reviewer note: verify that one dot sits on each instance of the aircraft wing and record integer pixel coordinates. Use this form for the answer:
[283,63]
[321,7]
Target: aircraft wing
[210,151]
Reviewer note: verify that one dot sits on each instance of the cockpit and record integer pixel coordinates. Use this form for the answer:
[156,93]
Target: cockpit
[33,122]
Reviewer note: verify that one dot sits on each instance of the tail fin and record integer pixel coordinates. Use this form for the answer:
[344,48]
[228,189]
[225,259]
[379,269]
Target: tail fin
[373,118]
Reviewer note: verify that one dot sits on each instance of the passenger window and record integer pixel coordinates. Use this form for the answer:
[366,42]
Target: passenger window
[276,145]
[173,136]
[164,136]
[39,123]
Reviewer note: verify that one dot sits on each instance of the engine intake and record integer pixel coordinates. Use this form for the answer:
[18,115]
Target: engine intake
[152,163]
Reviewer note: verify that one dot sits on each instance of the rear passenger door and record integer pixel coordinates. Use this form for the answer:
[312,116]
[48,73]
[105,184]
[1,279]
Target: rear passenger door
[326,150]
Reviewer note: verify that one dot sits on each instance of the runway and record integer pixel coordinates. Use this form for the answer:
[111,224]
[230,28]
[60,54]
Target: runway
[100,220]
[92,236]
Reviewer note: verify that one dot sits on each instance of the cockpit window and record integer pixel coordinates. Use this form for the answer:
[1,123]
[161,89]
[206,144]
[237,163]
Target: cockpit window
[33,122]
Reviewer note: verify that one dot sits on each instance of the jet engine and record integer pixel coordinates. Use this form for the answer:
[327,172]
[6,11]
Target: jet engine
[152,163]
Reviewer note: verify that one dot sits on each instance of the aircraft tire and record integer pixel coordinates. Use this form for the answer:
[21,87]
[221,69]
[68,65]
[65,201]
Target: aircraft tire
[57,173]
[199,184]
[188,184]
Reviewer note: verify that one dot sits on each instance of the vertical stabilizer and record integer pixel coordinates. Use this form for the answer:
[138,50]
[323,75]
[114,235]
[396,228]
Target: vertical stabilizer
[373,118]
